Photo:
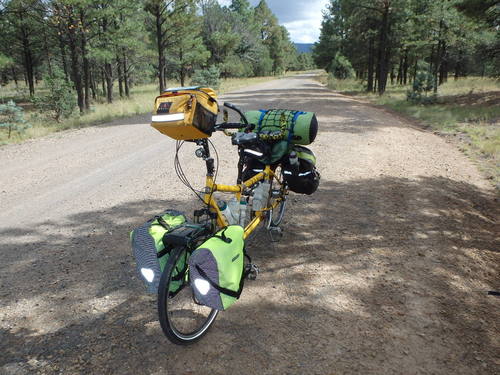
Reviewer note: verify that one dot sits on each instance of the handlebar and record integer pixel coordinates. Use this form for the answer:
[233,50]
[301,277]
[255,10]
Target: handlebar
[236,109]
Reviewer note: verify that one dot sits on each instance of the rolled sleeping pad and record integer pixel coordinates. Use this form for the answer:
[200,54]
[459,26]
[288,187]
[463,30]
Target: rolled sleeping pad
[304,131]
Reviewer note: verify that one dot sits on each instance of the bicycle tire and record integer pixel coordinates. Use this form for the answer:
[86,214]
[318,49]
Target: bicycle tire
[273,219]
[182,319]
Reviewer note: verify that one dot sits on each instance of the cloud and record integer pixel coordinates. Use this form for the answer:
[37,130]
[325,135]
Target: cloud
[302,18]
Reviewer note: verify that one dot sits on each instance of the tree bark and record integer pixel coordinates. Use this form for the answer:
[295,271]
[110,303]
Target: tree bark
[28,59]
[120,76]
[159,45]
[63,55]
[371,62]
[399,77]
[108,70]
[86,73]
[125,76]
[75,66]
[93,84]
[383,51]
[14,75]
[405,69]
[103,82]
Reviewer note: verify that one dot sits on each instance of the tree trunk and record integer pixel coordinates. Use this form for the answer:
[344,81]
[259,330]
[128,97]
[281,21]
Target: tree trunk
[14,75]
[86,73]
[125,76]
[47,52]
[108,70]
[393,75]
[405,69]
[63,55]
[383,51]
[159,45]
[415,67]
[75,66]
[120,76]
[371,62]
[399,78]
[103,81]
[28,60]
[93,85]
[182,73]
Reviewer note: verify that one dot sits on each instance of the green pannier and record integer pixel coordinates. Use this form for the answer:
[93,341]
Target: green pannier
[151,254]
[216,268]
[300,128]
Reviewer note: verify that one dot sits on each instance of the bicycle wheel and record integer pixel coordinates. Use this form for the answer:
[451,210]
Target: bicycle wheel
[182,319]
[276,214]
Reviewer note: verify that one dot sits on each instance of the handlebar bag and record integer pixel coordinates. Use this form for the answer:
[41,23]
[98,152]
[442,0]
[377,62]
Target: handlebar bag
[151,254]
[304,178]
[216,269]
[185,113]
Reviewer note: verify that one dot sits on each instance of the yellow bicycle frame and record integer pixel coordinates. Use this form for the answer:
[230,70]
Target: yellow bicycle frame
[211,187]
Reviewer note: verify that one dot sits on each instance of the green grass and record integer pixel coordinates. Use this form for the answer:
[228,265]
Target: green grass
[140,102]
[468,108]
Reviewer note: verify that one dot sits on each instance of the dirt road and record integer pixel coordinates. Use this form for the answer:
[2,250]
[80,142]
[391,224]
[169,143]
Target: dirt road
[385,270]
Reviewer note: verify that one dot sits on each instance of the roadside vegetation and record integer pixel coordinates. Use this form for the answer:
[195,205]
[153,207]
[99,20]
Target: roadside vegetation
[69,63]
[466,109]
[37,123]
[437,61]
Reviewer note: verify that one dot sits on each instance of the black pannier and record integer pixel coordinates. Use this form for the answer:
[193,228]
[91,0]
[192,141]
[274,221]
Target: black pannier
[299,171]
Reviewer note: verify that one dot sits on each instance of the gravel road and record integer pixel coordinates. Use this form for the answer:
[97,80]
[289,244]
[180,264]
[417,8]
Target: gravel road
[384,270]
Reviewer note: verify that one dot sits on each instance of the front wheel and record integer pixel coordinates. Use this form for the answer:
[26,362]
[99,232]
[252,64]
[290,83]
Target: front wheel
[182,318]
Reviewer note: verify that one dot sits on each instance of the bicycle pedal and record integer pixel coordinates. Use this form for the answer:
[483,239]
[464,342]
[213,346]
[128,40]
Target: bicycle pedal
[252,271]
[276,233]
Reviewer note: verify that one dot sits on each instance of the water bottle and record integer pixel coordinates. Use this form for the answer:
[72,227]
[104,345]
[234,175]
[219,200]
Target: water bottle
[261,193]
[234,208]
[243,212]
[230,210]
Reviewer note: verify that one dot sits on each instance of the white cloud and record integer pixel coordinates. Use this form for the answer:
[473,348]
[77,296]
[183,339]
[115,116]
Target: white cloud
[302,18]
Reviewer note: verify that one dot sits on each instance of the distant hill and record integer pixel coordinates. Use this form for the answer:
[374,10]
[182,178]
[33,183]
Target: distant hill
[304,47]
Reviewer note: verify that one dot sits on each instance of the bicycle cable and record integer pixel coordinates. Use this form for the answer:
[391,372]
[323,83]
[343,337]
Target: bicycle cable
[216,171]
[180,172]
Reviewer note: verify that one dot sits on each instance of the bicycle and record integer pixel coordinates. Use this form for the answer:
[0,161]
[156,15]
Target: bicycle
[182,318]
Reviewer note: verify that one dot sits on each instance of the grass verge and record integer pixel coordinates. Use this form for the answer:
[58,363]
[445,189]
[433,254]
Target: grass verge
[140,102]
[467,110]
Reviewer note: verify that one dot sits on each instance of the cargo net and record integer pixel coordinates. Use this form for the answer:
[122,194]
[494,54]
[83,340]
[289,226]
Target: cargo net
[275,124]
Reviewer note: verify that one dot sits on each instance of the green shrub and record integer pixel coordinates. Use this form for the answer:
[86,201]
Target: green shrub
[341,67]
[12,118]
[207,77]
[60,102]
[422,91]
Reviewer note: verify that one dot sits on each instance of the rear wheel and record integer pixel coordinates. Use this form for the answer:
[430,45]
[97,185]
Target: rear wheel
[182,318]
[277,196]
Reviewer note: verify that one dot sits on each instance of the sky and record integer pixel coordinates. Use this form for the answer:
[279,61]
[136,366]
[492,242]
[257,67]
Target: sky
[302,18]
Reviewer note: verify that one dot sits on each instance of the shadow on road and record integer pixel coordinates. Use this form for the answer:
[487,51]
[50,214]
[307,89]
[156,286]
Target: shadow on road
[388,262]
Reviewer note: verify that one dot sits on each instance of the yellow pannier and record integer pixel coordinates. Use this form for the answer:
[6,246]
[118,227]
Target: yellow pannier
[186,113]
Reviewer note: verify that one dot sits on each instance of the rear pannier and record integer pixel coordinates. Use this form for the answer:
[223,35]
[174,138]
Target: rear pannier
[299,171]
[216,268]
[186,113]
[151,253]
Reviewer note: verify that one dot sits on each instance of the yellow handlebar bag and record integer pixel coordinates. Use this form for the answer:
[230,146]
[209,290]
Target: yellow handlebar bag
[186,113]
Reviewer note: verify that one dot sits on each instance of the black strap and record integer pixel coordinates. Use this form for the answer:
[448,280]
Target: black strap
[223,237]
[162,222]
[229,292]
